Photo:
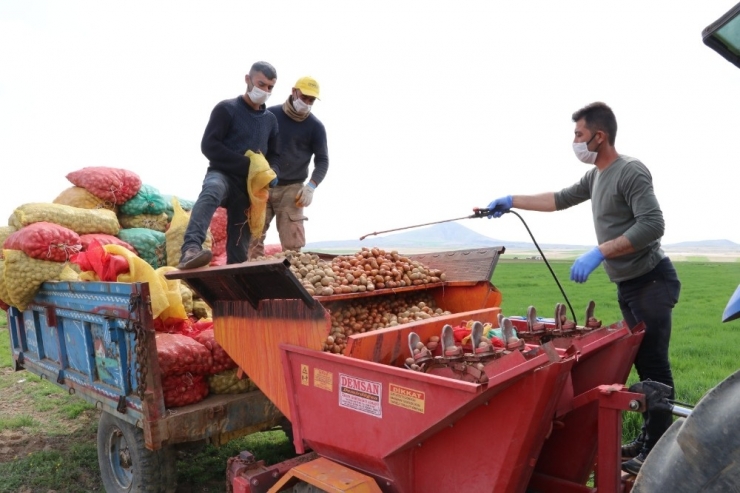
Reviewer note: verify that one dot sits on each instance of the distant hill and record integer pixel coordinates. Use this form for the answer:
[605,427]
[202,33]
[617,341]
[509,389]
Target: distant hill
[454,236]
[725,245]
[446,236]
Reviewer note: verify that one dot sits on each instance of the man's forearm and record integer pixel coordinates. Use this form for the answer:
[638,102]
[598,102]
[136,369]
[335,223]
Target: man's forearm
[617,247]
[543,202]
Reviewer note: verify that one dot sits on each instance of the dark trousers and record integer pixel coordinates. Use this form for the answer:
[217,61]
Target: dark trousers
[650,298]
[221,190]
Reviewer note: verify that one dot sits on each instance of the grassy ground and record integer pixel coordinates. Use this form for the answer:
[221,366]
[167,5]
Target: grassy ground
[47,438]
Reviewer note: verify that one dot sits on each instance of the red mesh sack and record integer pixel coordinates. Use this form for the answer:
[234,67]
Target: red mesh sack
[197,326]
[221,360]
[181,390]
[45,241]
[179,354]
[114,185]
[104,239]
[173,325]
[107,266]
[219,252]
[218,224]
[272,249]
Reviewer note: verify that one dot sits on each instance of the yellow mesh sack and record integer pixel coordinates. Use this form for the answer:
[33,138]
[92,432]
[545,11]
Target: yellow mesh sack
[81,221]
[258,188]
[175,235]
[174,296]
[24,276]
[227,382]
[79,197]
[4,295]
[5,231]
[157,222]
[187,297]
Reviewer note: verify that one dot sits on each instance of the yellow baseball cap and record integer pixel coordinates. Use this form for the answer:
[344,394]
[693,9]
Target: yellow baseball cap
[308,86]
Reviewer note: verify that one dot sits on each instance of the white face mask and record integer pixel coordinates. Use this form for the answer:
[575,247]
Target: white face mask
[258,96]
[301,107]
[582,152]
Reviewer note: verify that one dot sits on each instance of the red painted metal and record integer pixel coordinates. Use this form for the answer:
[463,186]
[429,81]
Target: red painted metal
[415,432]
[604,357]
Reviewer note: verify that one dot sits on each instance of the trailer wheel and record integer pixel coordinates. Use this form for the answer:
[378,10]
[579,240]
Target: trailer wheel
[127,465]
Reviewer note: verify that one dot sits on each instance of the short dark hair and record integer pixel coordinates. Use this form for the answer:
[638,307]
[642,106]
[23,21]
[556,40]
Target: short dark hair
[264,67]
[598,116]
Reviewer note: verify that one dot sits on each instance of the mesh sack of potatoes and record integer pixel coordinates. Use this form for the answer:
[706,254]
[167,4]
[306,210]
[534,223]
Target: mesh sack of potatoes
[147,200]
[113,185]
[181,390]
[157,222]
[45,241]
[201,309]
[228,382]
[24,275]
[79,197]
[4,296]
[175,234]
[149,244]
[179,354]
[187,205]
[81,221]
[221,360]
[5,231]
[104,239]
[187,297]
[218,224]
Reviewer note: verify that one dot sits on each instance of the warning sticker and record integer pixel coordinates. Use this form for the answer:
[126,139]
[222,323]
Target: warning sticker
[360,395]
[323,379]
[304,374]
[406,398]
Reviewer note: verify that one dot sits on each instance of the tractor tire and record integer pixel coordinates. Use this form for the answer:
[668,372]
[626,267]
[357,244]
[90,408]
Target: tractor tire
[700,452]
[126,465]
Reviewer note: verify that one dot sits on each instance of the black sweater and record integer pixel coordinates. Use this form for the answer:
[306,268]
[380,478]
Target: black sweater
[298,142]
[234,128]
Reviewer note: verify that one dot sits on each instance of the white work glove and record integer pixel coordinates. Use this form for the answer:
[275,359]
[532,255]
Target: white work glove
[305,196]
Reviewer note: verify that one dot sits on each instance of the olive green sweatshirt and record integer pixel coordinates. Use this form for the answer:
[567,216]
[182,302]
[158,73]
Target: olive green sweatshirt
[623,202]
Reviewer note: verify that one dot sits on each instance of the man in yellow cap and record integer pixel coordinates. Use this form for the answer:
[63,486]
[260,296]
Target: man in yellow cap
[302,136]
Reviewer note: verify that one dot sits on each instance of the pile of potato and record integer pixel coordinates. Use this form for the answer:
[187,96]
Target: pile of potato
[367,270]
[366,314]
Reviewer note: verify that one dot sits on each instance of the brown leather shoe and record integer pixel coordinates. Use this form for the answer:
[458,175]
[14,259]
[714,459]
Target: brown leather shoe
[194,258]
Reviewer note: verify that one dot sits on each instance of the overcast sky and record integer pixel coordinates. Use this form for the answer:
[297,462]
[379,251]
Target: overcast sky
[431,108]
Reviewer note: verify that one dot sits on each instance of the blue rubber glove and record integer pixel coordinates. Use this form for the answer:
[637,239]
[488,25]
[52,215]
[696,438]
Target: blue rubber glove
[500,206]
[585,265]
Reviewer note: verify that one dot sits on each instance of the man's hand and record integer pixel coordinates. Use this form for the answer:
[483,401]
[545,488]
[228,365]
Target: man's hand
[500,206]
[305,196]
[585,265]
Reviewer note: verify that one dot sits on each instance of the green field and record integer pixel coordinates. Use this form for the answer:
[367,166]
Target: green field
[702,353]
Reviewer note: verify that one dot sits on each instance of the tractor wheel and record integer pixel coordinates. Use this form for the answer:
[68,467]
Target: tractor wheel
[127,465]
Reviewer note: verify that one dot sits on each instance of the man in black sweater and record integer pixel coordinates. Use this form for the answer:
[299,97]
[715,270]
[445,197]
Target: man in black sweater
[302,136]
[236,125]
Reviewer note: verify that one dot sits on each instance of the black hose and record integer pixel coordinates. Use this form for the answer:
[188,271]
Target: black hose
[575,320]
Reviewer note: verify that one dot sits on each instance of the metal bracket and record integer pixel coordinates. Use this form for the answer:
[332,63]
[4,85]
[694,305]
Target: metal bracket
[121,407]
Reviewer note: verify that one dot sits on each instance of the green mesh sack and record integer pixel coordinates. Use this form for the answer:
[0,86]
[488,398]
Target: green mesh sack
[147,200]
[149,243]
[187,205]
